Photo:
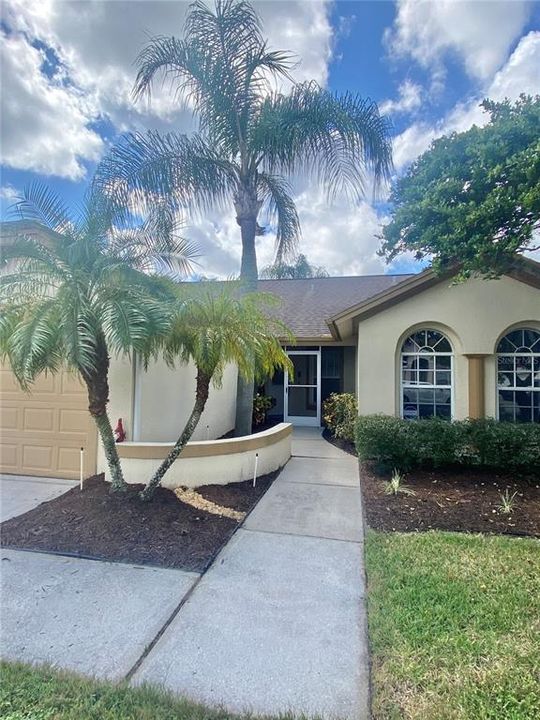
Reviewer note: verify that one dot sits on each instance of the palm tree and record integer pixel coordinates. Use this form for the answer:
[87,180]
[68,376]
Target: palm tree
[249,139]
[212,327]
[80,292]
[300,268]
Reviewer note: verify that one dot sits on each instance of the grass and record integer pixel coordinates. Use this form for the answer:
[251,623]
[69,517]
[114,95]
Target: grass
[41,693]
[454,623]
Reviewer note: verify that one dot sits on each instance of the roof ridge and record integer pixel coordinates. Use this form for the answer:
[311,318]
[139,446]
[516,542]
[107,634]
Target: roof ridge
[339,277]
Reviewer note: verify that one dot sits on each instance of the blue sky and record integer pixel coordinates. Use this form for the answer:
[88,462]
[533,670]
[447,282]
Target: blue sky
[67,70]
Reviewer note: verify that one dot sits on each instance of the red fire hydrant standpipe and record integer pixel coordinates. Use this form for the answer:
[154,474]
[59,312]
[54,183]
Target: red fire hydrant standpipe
[119,432]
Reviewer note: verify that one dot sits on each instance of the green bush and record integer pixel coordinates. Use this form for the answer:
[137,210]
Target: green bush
[384,439]
[340,413]
[406,444]
[515,446]
[261,405]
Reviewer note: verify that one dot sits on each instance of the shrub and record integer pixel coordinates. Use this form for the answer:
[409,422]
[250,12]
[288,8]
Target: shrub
[386,440]
[261,405]
[406,444]
[437,441]
[506,445]
[340,413]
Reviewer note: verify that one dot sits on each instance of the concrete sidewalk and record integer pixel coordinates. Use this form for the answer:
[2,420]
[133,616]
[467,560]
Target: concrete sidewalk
[21,493]
[89,616]
[278,622]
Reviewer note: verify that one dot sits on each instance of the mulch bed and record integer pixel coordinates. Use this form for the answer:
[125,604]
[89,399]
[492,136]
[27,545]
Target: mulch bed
[456,499]
[165,532]
[344,445]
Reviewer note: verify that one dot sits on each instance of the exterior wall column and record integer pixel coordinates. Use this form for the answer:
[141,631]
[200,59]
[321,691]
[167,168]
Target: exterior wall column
[477,400]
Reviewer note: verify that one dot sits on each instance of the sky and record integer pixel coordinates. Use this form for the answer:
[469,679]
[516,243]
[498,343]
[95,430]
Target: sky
[67,69]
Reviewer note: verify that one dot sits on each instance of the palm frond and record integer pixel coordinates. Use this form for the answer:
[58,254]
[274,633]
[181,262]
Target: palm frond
[131,321]
[214,326]
[34,343]
[338,138]
[151,250]
[172,169]
[219,69]
[27,285]
[30,255]
[40,204]
[276,194]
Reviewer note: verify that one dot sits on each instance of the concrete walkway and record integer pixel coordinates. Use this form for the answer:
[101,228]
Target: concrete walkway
[278,622]
[21,493]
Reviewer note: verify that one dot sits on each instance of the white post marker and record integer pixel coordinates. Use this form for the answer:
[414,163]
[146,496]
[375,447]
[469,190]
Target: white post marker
[81,469]
[255,471]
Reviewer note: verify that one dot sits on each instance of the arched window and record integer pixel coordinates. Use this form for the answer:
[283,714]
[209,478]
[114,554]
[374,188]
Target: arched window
[518,376]
[426,375]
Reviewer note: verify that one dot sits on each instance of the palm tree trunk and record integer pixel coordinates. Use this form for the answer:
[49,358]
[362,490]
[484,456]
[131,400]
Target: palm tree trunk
[118,484]
[247,209]
[97,384]
[248,269]
[201,396]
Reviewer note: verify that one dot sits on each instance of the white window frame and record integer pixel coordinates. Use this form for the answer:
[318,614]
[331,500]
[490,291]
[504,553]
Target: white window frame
[418,355]
[515,388]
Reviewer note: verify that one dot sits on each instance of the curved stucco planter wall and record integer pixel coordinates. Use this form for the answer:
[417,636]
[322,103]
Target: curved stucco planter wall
[208,462]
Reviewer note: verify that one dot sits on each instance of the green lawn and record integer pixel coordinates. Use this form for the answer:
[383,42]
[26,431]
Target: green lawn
[454,625]
[43,694]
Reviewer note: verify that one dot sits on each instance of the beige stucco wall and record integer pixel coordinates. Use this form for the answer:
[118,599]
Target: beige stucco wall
[155,404]
[473,315]
[273,448]
[165,398]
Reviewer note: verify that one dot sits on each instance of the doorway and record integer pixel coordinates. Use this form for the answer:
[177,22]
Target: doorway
[302,389]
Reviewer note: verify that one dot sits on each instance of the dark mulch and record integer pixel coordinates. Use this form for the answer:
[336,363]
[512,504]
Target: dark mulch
[345,445]
[165,532]
[267,425]
[454,499]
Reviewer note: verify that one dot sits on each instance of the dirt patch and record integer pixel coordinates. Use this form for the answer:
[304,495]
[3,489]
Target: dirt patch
[458,500]
[164,532]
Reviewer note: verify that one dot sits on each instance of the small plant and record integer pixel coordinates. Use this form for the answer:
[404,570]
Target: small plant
[395,485]
[507,502]
[261,405]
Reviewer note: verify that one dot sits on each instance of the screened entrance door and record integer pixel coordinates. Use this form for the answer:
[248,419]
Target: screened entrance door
[303,389]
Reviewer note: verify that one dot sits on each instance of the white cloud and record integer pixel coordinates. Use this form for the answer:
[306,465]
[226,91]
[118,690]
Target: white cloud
[45,125]
[339,236]
[9,193]
[480,34]
[520,74]
[409,99]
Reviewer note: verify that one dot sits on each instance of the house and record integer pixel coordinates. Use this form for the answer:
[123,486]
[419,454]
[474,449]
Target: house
[406,345]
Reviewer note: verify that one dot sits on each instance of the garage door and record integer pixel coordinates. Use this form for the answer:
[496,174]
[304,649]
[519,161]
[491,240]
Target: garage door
[42,432]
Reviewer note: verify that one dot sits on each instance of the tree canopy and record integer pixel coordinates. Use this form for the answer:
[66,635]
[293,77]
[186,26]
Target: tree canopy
[300,268]
[473,199]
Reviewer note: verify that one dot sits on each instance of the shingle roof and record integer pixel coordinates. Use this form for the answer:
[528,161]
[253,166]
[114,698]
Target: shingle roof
[308,303]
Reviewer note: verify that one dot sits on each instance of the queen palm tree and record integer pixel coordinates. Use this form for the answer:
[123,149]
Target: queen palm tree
[250,136]
[213,326]
[82,291]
